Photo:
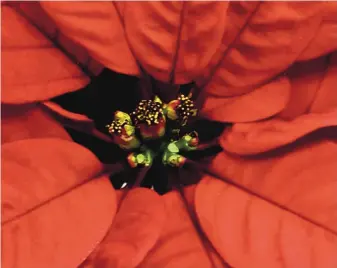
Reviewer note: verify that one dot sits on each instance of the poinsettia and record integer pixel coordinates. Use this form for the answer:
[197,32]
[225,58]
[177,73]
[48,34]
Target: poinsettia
[259,190]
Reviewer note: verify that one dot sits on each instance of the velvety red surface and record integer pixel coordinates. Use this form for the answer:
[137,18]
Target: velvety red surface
[270,68]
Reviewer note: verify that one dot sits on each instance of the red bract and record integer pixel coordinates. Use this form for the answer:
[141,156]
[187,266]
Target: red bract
[267,200]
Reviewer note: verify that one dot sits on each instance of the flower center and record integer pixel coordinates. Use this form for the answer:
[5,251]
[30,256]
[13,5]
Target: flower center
[156,130]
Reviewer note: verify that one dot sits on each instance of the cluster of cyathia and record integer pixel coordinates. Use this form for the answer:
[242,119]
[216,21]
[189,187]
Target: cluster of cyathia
[181,109]
[153,129]
[149,117]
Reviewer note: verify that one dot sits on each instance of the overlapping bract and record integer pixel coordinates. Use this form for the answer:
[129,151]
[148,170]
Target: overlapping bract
[269,68]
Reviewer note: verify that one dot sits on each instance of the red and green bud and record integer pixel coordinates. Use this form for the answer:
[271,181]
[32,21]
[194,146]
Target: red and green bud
[192,140]
[173,159]
[143,158]
[150,119]
[171,154]
[153,131]
[122,117]
[123,132]
[188,142]
[181,109]
[171,108]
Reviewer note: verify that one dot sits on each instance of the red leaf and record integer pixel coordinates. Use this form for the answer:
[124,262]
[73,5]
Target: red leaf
[284,216]
[263,102]
[313,85]
[305,80]
[325,39]
[53,214]
[312,105]
[179,244]
[32,67]
[252,138]
[39,18]
[262,41]
[28,121]
[96,26]
[75,121]
[178,37]
[326,98]
[133,233]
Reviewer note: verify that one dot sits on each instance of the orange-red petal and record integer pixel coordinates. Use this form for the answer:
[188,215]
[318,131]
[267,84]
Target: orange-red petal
[284,217]
[36,15]
[28,121]
[135,230]
[252,138]
[261,103]
[178,37]
[54,210]
[33,68]
[259,45]
[179,244]
[98,28]
[312,105]
[262,40]
[325,39]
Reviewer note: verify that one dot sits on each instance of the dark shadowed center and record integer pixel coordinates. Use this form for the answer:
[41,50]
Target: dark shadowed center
[110,92]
